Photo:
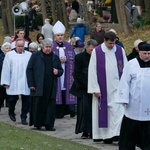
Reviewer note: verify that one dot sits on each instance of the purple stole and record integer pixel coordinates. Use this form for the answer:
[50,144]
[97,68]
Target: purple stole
[69,53]
[101,74]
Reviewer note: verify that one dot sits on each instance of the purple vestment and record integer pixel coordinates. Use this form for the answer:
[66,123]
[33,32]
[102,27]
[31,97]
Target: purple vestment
[69,53]
[101,74]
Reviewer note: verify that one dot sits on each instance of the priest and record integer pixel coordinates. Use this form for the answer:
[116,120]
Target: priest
[65,101]
[134,94]
[105,69]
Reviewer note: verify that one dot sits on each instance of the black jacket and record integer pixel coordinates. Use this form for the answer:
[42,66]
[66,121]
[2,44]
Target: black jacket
[133,54]
[35,73]
[80,74]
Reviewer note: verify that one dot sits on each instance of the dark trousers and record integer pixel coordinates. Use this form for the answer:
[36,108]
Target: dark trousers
[134,133]
[12,99]
[3,95]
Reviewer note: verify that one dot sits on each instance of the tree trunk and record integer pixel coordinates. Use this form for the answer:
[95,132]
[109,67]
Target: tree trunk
[53,10]
[122,18]
[65,15]
[43,5]
[9,17]
[85,13]
[4,17]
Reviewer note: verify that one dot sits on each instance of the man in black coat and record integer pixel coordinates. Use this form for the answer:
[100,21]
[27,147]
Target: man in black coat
[43,69]
[79,89]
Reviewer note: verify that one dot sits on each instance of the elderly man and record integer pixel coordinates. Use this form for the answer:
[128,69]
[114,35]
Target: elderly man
[134,94]
[13,78]
[42,71]
[47,29]
[105,69]
[65,101]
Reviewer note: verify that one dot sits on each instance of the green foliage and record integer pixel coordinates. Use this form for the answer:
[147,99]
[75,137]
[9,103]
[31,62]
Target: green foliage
[13,138]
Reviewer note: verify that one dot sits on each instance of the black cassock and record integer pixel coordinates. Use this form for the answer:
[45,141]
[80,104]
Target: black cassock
[79,89]
[42,110]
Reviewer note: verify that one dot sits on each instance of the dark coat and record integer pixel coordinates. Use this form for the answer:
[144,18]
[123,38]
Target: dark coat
[2,56]
[99,37]
[75,6]
[133,54]
[80,74]
[35,73]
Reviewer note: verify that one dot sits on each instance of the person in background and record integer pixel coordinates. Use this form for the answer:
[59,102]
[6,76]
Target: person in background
[44,87]
[47,29]
[13,78]
[79,47]
[75,6]
[133,93]
[39,39]
[6,47]
[98,33]
[33,47]
[20,34]
[73,40]
[65,102]
[6,39]
[79,89]
[79,30]
[32,18]
[118,42]
[135,50]
[105,69]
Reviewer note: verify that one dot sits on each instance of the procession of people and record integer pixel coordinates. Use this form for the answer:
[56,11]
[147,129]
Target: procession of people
[91,79]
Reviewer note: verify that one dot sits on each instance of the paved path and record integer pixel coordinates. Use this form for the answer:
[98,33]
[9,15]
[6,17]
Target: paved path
[65,129]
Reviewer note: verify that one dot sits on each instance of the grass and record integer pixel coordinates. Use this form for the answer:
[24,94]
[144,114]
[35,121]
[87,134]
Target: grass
[13,138]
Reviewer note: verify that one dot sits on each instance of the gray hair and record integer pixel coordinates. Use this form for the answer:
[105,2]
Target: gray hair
[33,45]
[47,42]
[7,39]
[4,45]
[91,42]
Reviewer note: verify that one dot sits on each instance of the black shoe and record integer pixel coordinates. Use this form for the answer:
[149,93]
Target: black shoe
[115,139]
[24,122]
[84,135]
[38,128]
[12,117]
[108,141]
[97,140]
[50,128]
[72,114]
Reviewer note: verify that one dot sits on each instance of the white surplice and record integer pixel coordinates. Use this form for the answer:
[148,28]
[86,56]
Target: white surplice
[134,91]
[14,72]
[115,111]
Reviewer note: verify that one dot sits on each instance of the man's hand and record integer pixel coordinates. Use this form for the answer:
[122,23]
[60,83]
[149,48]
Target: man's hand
[55,71]
[6,86]
[97,94]
[32,88]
